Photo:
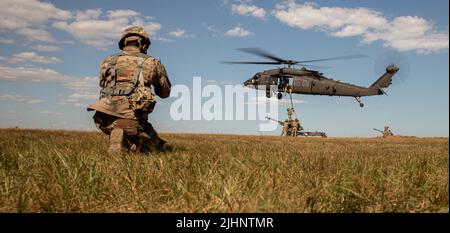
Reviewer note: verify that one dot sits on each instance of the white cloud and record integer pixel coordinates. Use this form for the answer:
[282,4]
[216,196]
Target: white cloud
[213,29]
[6,41]
[287,102]
[46,48]
[249,10]
[28,17]
[21,99]
[36,34]
[180,33]
[88,14]
[86,91]
[71,42]
[30,74]
[52,113]
[410,33]
[36,101]
[15,14]
[33,57]
[402,33]
[238,32]
[100,29]
[82,96]
[86,83]
[122,13]
[160,38]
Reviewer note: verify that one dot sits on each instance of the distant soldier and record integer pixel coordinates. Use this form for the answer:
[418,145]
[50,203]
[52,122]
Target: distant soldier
[290,111]
[295,125]
[286,125]
[126,97]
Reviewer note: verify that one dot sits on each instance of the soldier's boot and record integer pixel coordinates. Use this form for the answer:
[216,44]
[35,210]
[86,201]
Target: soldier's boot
[163,146]
[166,148]
[148,145]
[116,141]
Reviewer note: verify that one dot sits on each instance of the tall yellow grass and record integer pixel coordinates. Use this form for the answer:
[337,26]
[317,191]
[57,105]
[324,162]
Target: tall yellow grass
[69,171]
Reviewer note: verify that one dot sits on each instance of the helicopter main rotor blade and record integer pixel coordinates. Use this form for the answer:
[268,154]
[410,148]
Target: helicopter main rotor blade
[252,62]
[262,53]
[335,58]
[314,66]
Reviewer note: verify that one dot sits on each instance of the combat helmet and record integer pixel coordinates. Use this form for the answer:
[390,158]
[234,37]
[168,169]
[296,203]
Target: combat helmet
[135,31]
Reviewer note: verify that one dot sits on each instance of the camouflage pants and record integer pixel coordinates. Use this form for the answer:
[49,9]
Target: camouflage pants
[294,131]
[139,134]
[285,131]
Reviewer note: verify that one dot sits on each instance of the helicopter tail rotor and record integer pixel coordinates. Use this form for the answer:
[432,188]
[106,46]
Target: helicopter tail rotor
[386,79]
[393,59]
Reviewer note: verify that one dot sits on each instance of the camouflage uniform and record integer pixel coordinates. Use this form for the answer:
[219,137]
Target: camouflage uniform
[286,125]
[290,111]
[295,126]
[126,97]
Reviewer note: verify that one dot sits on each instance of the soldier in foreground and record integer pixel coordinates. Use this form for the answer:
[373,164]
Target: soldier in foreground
[126,96]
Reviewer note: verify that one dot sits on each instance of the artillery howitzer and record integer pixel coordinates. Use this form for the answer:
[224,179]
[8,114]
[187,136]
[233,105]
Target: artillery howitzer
[386,132]
[381,131]
[300,131]
[279,122]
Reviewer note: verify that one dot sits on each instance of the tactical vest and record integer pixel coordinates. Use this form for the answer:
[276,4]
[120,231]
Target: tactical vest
[140,96]
[110,89]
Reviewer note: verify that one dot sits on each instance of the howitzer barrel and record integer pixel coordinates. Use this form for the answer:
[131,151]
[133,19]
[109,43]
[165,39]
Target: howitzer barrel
[279,122]
[378,130]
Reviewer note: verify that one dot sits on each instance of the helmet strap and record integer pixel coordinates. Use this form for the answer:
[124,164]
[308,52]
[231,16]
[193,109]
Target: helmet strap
[142,47]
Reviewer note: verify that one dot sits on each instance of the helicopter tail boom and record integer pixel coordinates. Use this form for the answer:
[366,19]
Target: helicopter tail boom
[386,79]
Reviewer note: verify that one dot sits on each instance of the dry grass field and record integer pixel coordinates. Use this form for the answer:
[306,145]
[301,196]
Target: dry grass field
[69,171]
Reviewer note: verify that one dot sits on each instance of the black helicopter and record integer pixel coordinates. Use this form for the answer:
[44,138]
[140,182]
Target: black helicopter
[290,80]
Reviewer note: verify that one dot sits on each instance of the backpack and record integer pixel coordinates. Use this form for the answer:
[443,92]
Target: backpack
[140,96]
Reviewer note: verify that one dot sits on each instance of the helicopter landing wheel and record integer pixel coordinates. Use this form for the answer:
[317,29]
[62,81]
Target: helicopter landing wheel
[279,95]
[359,101]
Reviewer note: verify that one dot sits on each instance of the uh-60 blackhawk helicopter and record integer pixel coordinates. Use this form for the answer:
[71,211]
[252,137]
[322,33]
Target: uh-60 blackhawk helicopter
[289,80]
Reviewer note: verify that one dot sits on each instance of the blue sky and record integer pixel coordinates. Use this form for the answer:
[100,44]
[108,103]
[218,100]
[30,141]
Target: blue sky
[50,52]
